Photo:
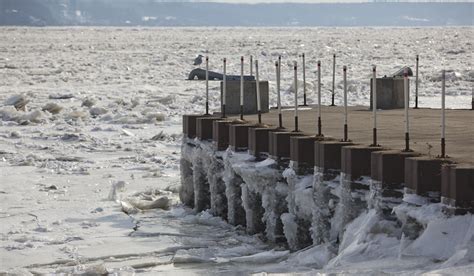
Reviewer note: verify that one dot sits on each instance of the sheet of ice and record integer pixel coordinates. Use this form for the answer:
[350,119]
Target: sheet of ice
[448,239]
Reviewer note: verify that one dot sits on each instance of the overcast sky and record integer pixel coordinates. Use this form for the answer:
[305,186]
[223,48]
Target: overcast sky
[323,1]
[284,1]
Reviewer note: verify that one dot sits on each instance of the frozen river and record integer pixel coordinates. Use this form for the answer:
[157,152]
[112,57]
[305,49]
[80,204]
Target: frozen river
[72,182]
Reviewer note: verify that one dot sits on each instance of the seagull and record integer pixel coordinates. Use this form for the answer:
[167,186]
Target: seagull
[198,60]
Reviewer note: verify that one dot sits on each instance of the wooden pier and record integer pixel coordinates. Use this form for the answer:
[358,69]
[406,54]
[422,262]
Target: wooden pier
[425,130]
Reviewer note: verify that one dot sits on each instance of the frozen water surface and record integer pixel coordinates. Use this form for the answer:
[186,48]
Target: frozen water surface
[100,138]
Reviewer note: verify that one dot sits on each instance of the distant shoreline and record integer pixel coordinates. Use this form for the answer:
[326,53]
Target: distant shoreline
[234,27]
[121,13]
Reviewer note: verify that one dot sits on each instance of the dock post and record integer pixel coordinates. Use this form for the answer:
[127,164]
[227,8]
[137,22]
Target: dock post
[259,109]
[443,115]
[407,103]
[416,82]
[224,92]
[207,85]
[374,106]
[241,88]
[319,100]
[296,95]
[251,65]
[344,69]
[304,80]
[277,69]
[333,79]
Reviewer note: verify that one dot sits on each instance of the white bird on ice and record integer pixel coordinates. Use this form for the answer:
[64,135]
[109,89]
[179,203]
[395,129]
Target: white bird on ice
[198,60]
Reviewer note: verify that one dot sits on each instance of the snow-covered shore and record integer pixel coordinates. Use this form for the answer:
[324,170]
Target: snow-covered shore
[120,94]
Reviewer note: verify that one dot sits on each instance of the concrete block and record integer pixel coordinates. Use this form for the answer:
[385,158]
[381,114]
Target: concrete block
[356,160]
[390,93]
[280,143]
[220,133]
[302,151]
[388,167]
[239,136]
[423,175]
[327,154]
[250,97]
[457,185]
[204,127]
[189,124]
[259,139]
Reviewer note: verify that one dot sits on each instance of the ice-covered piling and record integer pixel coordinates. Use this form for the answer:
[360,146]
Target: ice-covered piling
[202,197]
[273,201]
[352,201]
[233,192]
[327,191]
[186,190]
[387,178]
[252,203]
[354,188]
[297,222]
[324,203]
[214,166]
[260,180]
[262,193]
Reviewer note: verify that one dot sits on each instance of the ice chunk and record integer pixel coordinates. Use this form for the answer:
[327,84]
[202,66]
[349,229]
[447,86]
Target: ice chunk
[142,204]
[52,108]
[117,186]
[315,256]
[88,102]
[18,101]
[448,233]
[61,96]
[96,111]
[368,237]
[262,257]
